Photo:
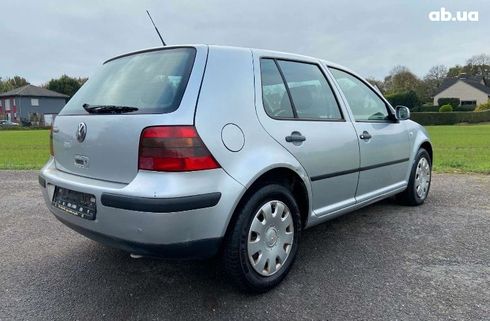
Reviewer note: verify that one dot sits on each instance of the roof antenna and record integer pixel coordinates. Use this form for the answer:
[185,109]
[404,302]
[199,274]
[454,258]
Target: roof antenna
[159,35]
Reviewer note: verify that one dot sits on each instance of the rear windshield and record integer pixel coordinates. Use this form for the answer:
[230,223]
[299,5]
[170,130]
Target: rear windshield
[154,82]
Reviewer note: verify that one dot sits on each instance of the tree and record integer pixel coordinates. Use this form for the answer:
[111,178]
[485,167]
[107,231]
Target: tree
[377,83]
[434,78]
[66,85]
[480,65]
[401,79]
[455,71]
[408,99]
[12,83]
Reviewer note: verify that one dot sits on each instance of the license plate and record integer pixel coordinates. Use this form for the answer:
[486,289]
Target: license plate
[75,203]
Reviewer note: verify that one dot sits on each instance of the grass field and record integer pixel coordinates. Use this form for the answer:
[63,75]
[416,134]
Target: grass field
[459,148]
[23,149]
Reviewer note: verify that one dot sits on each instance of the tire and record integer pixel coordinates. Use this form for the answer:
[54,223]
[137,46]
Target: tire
[416,192]
[238,257]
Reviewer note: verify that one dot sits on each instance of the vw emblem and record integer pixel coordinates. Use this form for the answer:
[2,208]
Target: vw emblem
[81,132]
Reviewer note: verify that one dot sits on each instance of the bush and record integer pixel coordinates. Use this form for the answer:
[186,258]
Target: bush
[446,108]
[408,99]
[483,107]
[450,118]
[454,102]
[465,108]
[426,108]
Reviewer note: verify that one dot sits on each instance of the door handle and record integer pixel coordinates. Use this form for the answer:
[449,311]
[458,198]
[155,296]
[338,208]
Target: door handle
[295,137]
[365,135]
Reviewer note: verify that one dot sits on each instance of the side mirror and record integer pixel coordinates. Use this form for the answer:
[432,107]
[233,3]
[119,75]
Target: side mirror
[402,113]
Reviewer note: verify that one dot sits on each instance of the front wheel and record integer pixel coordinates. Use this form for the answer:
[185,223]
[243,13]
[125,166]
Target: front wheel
[262,244]
[420,179]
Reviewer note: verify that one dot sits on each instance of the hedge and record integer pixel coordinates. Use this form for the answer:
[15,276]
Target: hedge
[465,108]
[24,128]
[450,118]
[455,102]
[424,109]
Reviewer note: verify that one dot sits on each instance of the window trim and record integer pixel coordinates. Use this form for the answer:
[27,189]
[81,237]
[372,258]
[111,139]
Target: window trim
[296,118]
[391,116]
[284,82]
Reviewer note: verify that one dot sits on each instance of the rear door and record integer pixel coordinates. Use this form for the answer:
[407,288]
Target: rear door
[299,109]
[163,84]
[383,141]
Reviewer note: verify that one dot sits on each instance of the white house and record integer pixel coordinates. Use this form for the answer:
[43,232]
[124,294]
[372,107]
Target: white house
[469,90]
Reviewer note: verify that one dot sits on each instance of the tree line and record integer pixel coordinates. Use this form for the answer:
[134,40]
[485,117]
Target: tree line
[403,87]
[64,85]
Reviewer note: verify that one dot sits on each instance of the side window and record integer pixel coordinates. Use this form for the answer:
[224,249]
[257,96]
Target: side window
[365,104]
[312,96]
[274,94]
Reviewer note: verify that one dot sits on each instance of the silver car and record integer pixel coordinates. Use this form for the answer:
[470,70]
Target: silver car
[193,151]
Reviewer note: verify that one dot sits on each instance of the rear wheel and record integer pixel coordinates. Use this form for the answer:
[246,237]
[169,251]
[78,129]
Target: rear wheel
[420,179]
[262,244]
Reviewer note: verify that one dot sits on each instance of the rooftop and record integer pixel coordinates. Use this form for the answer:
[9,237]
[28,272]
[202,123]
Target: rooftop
[32,91]
[479,83]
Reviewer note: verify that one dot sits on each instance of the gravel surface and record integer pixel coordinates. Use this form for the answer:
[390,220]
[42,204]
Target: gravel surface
[384,262]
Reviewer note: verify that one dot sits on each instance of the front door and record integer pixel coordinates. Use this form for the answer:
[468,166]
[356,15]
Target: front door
[304,116]
[383,141]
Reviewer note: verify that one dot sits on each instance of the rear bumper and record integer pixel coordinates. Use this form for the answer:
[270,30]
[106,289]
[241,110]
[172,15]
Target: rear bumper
[174,215]
[198,249]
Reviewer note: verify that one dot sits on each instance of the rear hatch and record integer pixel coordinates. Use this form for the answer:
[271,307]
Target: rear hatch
[96,135]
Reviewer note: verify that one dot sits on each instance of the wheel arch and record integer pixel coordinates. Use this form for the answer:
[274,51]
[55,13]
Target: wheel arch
[284,176]
[428,147]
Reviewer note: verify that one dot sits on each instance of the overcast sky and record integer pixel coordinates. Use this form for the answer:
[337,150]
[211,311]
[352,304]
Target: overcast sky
[41,40]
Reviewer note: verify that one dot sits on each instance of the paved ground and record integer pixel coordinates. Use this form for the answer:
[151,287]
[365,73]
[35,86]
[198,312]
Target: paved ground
[384,262]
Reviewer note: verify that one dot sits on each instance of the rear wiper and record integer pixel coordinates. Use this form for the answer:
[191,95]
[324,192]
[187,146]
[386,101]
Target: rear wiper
[108,109]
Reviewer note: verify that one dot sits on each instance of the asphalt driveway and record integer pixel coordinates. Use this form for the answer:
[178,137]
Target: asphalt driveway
[384,262]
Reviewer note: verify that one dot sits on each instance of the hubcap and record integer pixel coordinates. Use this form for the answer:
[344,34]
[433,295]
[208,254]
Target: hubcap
[270,238]
[422,178]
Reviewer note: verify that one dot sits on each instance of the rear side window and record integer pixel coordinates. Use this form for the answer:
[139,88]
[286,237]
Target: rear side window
[312,96]
[365,104]
[274,94]
[154,82]
[295,89]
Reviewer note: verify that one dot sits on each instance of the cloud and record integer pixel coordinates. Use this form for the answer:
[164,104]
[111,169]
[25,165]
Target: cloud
[44,39]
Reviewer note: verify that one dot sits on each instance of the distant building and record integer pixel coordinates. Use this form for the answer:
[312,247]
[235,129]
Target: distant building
[469,90]
[30,103]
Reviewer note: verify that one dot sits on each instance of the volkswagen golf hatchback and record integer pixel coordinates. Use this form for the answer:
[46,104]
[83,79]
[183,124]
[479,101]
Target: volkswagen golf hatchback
[194,151]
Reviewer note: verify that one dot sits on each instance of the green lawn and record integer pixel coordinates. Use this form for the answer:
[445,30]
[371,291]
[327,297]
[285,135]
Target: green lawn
[458,148]
[23,149]
[461,148]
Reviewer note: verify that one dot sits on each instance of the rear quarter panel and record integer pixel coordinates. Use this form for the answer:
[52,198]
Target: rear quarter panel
[228,97]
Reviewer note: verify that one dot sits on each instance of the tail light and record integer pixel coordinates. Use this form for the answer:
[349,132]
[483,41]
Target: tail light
[174,149]
[51,150]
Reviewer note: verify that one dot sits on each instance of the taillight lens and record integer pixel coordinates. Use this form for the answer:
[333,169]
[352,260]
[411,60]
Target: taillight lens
[51,150]
[174,149]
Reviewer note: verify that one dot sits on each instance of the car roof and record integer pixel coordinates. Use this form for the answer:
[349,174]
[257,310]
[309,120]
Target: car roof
[224,47]
[255,51]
